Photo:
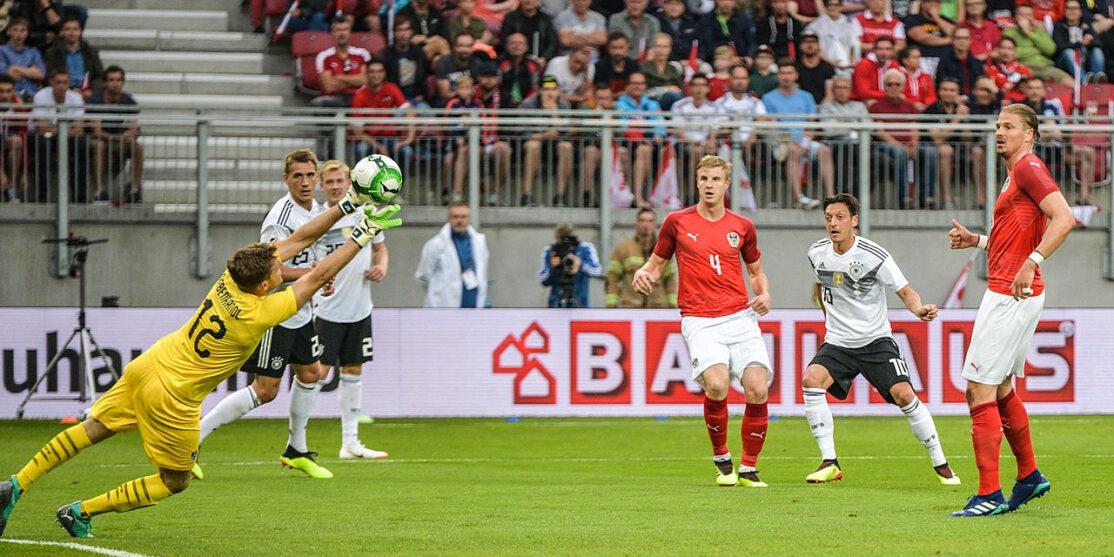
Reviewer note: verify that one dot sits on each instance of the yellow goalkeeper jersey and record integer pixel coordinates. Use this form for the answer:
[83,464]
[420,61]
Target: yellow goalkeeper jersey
[219,338]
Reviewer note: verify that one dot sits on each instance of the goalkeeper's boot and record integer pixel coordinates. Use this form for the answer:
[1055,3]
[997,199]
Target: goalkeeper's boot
[360,451]
[945,475]
[750,479]
[984,505]
[828,471]
[70,517]
[1026,489]
[725,474]
[9,495]
[304,462]
[196,472]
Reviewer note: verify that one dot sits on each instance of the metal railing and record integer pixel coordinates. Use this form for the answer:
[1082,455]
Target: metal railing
[200,163]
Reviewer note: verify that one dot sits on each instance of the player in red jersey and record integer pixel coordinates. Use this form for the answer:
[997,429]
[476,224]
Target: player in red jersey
[1020,240]
[719,323]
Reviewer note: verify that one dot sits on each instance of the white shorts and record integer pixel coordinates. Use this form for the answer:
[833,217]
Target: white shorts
[1000,339]
[733,340]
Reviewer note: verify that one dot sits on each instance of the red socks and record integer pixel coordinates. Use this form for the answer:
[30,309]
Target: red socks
[715,417]
[755,421]
[1015,425]
[986,435]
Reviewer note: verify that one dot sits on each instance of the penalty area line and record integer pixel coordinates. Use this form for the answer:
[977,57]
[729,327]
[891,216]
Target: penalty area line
[77,547]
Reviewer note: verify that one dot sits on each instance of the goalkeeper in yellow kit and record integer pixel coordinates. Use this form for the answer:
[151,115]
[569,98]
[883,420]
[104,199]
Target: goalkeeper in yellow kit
[161,391]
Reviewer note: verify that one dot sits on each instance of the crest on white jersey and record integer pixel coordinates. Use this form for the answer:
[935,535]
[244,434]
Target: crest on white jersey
[857,270]
[733,239]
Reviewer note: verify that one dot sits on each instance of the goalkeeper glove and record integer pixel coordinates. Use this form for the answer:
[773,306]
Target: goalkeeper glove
[374,221]
[352,201]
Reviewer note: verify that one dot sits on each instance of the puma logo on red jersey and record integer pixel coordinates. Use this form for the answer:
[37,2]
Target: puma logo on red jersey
[693,236]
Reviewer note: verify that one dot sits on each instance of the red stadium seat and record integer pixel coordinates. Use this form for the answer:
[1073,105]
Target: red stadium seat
[305,75]
[1096,96]
[276,8]
[373,42]
[1061,92]
[309,43]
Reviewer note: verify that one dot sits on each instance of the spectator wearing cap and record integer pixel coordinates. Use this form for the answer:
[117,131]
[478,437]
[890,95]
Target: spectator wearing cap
[663,77]
[406,64]
[839,44]
[815,73]
[491,100]
[575,74]
[876,23]
[779,29]
[520,71]
[22,62]
[681,26]
[537,29]
[340,67]
[635,24]
[730,26]
[867,79]
[764,77]
[930,31]
[959,63]
[550,140]
[79,58]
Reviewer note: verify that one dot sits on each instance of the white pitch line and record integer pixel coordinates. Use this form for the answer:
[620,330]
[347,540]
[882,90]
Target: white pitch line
[77,547]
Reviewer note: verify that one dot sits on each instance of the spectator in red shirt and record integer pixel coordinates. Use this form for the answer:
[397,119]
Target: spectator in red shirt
[1009,74]
[11,136]
[876,23]
[866,81]
[375,136]
[340,67]
[896,147]
[919,88]
[985,33]
[1045,11]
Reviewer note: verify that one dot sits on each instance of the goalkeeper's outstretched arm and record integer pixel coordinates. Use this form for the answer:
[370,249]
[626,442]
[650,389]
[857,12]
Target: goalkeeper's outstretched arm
[309,232]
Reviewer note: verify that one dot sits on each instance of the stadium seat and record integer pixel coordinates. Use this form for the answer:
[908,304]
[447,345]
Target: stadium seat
[276,8]
[1098,95]
[309,43]
[373,42]
[305,75]
[1061,92]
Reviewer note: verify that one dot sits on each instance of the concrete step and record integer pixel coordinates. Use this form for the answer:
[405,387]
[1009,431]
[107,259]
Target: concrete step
[208,101]
[185,61]
[207,83]
[218,169]
[212,5]
[252,148]
[153,39]
[178,20]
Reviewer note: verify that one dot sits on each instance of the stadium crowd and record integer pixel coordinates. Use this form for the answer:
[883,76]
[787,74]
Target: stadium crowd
[707,60]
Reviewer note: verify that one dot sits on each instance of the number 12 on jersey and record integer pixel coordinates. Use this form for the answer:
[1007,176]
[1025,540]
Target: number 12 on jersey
[713,260]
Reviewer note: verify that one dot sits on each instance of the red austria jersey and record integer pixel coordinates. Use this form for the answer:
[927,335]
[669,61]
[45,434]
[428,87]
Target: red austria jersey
[871,28]
[1019,223]
[710,258]
[328,60]
[388,96]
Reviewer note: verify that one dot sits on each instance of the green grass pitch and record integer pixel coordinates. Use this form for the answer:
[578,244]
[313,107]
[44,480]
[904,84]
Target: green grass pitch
[576,487]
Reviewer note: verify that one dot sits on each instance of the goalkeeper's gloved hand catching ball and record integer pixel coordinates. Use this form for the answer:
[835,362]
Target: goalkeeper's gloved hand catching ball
[352,201]
[375,220]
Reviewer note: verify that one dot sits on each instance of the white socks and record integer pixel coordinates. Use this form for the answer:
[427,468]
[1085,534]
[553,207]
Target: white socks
[303,398]
[228,410]
[920,421]
[349,398]
[819,417]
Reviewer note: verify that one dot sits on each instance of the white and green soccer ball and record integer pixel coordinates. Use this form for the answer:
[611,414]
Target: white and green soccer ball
[378,177]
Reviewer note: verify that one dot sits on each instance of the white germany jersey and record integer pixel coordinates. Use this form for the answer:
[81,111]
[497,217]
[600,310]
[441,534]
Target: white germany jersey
[708,113]
[352,300]
[853,290]
[749,105]
[285,217]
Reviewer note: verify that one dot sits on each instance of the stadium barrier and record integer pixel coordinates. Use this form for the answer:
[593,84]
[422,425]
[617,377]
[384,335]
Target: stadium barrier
[581,362]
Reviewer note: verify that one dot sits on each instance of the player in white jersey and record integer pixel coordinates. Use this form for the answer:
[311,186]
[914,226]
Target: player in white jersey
[293,341]
[852,276]
[695,142]
[344,319]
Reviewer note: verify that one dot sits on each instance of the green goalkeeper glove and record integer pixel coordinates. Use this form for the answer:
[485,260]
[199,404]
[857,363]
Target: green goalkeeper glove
[374,221]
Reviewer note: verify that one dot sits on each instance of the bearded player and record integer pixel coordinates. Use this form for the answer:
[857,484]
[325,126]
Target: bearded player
[160,392]
[718,321]
[1020,240]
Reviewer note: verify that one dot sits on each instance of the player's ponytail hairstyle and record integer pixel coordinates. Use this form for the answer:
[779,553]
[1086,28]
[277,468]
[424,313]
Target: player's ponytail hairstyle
[301,155]
[251,265]
[1028,117]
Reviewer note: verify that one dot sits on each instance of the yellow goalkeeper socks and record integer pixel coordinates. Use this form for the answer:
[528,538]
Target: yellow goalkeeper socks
[136,494]
[63,447]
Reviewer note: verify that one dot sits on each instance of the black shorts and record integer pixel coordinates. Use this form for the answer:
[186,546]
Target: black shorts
[880,362]
[281,346]
[346,343]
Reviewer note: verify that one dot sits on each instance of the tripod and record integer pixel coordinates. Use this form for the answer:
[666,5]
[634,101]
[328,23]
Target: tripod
[86,390]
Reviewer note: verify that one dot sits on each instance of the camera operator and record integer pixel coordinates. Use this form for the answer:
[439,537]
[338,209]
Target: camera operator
[566,268]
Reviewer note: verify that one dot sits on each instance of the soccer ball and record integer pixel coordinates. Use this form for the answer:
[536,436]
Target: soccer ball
[378,177]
